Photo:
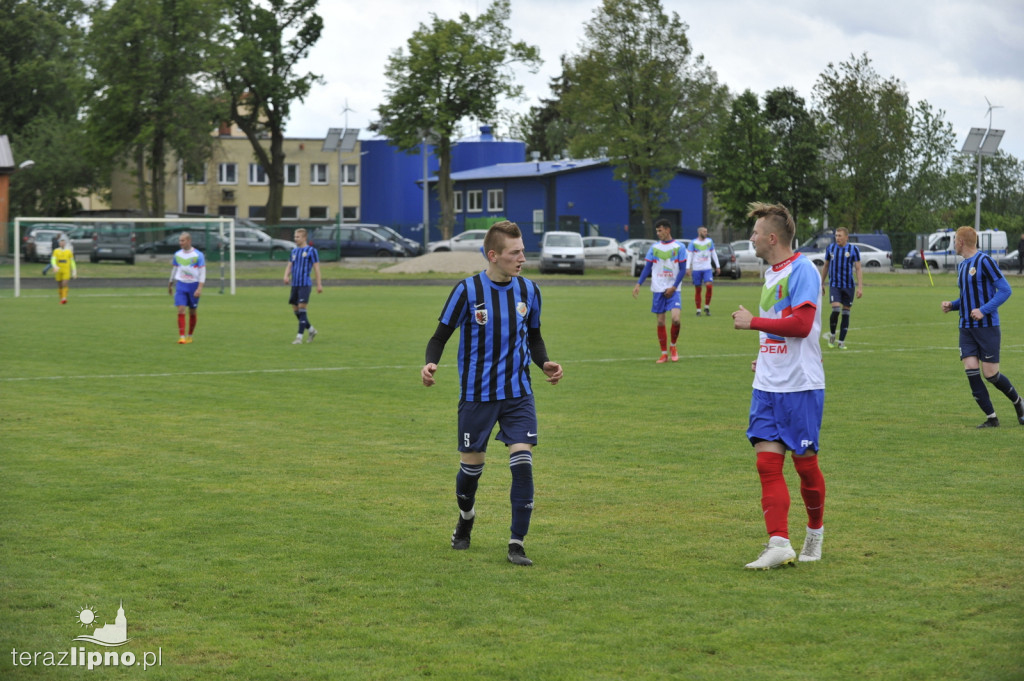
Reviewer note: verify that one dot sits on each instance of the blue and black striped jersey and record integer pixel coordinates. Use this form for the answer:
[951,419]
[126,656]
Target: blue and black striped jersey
[494,322]
[840,261]
[302,265]
[979,280]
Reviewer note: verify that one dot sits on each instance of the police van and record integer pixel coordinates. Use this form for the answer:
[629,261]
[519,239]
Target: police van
[939,248]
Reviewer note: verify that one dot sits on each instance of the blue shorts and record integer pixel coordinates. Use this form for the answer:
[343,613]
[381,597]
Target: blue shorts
[794,419]
[185,295]
[515,416]
[702,277]
[843,296]
[982,343]
[660,304]
[300,295]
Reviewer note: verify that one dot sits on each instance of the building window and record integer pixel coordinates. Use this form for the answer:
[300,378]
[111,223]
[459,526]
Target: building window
[227,211]
[495,200]
[196,210]
[350,213]
[318,173]
[538,222]
[349,173]
[291,174]
[458,201]
[196,175]
[227,173]
[318,212]
[256,174]
[289,212]
[258,212]
[474,201]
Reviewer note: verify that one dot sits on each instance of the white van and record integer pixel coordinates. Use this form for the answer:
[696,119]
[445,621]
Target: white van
[939,248]
[561,252]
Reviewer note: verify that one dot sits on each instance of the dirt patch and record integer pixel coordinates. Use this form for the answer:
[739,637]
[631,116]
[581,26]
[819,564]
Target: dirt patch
[458,262]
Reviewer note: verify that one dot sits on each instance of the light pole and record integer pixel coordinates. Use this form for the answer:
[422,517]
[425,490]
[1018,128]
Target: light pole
[983,142]
[342,140]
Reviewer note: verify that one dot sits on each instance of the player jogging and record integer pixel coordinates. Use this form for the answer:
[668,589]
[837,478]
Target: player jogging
[665,263]
[188,274]
[498,314]
[305,259]
[842,261]
[983,288]
[702,254]
[789,385]
[62,260]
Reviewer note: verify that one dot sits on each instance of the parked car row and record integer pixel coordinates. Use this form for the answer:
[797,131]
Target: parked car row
[101,241]
[870,256]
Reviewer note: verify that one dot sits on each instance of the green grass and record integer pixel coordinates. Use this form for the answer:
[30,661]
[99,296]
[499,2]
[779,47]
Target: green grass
[269,511]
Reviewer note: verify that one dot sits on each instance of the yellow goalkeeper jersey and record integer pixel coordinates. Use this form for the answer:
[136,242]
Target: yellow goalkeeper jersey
[63,262]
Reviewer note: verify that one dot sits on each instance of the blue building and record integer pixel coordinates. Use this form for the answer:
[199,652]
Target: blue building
[492,180]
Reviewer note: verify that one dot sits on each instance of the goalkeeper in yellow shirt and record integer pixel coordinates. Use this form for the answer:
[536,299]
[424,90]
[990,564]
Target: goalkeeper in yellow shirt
[63,262]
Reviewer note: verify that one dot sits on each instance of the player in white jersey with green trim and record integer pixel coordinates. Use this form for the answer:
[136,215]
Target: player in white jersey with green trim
[702,254]
[665,263]
[788,398]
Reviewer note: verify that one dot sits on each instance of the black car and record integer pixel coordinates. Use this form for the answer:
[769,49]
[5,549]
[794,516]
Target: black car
[351,241]
[727,261]
[411,247]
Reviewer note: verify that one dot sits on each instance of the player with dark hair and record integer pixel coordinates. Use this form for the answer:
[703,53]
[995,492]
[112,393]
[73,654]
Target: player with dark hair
[789,385]
[498,314]
[665,264]
[983,288]
[188,274]
[842,261]
[304,260]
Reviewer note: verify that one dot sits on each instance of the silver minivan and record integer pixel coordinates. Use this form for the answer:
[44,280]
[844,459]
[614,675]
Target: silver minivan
[561,252]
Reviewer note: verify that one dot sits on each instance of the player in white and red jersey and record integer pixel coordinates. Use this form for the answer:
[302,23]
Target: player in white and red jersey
[789,385]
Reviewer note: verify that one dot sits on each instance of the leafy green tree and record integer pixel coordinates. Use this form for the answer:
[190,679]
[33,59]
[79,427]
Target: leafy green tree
[544,128]
[152,104]
[740,155]
[796,172]
[44,83]
[885,158]
[454,69]
[1002,192]
[642,98]
[262,46]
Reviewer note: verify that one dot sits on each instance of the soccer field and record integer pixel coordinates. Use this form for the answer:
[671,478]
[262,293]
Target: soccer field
[270,511]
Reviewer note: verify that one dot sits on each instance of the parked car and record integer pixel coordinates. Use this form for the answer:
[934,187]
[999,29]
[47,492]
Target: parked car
[251,240]
[352,241]
[470,240]
[37,244]
[870,256]
[637,252]
[113,241]
[745,254]
[562,252]
[727,261]
[1010,262]
[602,249]
[411,247]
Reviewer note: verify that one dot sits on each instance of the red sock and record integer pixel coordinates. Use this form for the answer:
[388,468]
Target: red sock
[181,324]
[191,323]
[696,297]
[707,294]
[675,332]
[774,493]
[812,489]
[663,338]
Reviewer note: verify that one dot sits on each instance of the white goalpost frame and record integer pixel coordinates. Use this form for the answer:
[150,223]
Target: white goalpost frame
[221,222]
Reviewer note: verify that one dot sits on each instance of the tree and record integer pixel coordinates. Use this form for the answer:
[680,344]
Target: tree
[1002,192]
[262,46]
[152,104]
[796,178]
[544,128]
[453,70]
[739,157]
[642,98]
[885,157]
[44,83]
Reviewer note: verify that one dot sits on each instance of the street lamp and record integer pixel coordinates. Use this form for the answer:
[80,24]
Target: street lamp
[983,142]
[342,140]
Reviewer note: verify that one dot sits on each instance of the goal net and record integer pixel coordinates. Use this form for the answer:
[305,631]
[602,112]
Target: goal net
[126,239]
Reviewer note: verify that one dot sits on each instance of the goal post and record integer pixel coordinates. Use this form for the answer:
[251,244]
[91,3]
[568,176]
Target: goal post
[219,232]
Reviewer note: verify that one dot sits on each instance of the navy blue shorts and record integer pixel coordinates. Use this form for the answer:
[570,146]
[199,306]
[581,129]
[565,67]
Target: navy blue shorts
[982,343]
[794,419]
[300,295]
[843,296]
[516,418]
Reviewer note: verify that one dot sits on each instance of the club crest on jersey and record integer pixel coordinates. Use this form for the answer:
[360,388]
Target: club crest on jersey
[972,271]
[521,308]
[480,316]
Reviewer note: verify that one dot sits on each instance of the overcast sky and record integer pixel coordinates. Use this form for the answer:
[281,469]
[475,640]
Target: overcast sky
[952,53]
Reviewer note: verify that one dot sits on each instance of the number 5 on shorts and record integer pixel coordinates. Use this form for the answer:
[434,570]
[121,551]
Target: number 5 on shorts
[465,439]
